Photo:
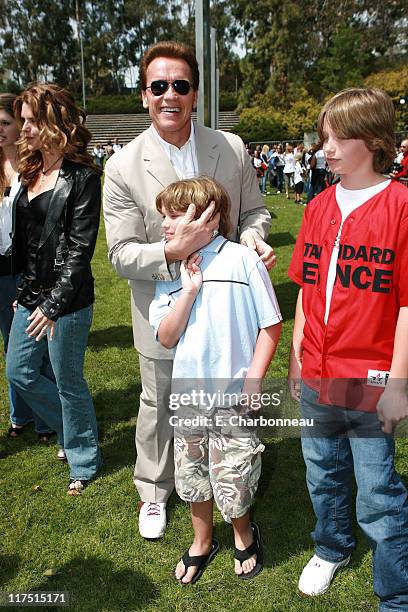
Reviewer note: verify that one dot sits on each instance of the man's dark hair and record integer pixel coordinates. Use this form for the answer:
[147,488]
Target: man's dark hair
[173,50]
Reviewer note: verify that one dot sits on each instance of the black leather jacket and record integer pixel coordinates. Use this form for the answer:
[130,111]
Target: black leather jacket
[67,243]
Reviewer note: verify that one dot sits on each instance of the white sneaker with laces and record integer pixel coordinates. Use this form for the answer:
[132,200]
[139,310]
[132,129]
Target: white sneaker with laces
[152,520]
[317,575]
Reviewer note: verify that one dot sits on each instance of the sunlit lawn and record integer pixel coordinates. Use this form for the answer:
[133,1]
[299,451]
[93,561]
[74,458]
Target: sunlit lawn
[91,544]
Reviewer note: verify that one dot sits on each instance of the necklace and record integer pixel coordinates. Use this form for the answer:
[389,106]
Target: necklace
[44,172]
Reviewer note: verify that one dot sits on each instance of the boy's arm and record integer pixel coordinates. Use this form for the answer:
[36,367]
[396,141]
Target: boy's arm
[295,356]
[392,406]
[265,348]
[173,325]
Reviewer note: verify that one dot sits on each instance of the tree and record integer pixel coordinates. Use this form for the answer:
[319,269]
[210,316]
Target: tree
[291,46]
[37,41]
[395,83]
[316,45]
[102,31]
[258,125]
[346,62]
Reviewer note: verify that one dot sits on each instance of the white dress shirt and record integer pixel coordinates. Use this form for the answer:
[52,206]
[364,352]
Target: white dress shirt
[183,160]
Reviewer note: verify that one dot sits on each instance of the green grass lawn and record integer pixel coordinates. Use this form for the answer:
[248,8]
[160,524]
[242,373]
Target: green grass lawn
[91,543]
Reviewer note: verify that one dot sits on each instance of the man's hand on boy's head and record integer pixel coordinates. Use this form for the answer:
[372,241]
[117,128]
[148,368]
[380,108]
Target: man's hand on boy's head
[192,234]
[264,250]
[392,406]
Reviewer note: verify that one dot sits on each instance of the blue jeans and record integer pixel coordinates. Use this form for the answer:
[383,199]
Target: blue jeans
[67,404]
[263,181]
[317,183]
[20,411]
[279,172]
[382,503]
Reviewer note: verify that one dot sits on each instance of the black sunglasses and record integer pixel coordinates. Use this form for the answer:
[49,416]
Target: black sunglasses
[180,86]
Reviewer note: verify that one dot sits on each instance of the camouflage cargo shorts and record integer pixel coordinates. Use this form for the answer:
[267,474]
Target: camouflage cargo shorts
[220,462]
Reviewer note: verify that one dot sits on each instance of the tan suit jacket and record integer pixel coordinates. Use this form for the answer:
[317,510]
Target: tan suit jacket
[133,178]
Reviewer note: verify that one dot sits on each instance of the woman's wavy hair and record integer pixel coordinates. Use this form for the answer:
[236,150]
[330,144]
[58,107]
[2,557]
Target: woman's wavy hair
[200,191]
[6,105]
[61,124]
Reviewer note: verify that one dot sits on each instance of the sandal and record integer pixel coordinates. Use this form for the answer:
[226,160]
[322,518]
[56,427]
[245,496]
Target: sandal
[254,549]
[45,437]
[14,432]
[76,486]
[199,561]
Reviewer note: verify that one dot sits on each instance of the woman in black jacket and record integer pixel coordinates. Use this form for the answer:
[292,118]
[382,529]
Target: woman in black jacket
[20,413]
[55,225]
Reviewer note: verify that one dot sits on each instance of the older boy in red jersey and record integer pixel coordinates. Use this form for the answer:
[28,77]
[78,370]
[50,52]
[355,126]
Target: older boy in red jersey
[350,346]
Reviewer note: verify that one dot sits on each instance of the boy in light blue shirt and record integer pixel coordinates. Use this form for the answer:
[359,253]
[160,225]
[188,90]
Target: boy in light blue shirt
[223,320]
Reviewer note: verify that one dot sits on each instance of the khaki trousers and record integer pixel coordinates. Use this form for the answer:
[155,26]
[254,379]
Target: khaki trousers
[154,469]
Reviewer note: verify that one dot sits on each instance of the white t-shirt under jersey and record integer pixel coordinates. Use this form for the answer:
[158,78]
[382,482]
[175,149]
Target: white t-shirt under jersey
[348,200]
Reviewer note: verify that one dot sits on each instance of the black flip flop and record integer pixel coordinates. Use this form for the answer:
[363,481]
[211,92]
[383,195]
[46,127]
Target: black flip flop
[254,549]
[14,432]
[199,561]
[45,437]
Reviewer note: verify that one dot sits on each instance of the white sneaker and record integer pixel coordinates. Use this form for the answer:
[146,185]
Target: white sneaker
[152,520]
[317,575]
[61,455]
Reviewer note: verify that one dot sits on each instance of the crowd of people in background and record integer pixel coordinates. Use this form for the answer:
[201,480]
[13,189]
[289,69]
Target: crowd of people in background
[291,168]
[287,168]
[303,171]
[101,153]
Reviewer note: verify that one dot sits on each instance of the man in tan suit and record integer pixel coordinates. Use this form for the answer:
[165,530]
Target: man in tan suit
[171,149]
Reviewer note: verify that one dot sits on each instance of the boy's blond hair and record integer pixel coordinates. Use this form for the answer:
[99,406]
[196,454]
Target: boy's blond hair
[363,114]
[200,191]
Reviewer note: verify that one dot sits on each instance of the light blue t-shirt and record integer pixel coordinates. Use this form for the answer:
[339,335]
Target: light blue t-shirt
[235,301]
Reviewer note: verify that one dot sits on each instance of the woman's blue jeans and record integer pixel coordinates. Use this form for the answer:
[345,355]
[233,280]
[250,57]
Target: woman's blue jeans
[279,172]
[66,405]
[382,504]
[263,181]
[20,411]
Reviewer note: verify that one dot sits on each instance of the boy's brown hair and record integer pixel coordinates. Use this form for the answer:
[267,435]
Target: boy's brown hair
[364,114]
[200,191]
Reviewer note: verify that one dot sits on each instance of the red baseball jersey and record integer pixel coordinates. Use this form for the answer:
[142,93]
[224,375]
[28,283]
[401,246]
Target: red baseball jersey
[348,359]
